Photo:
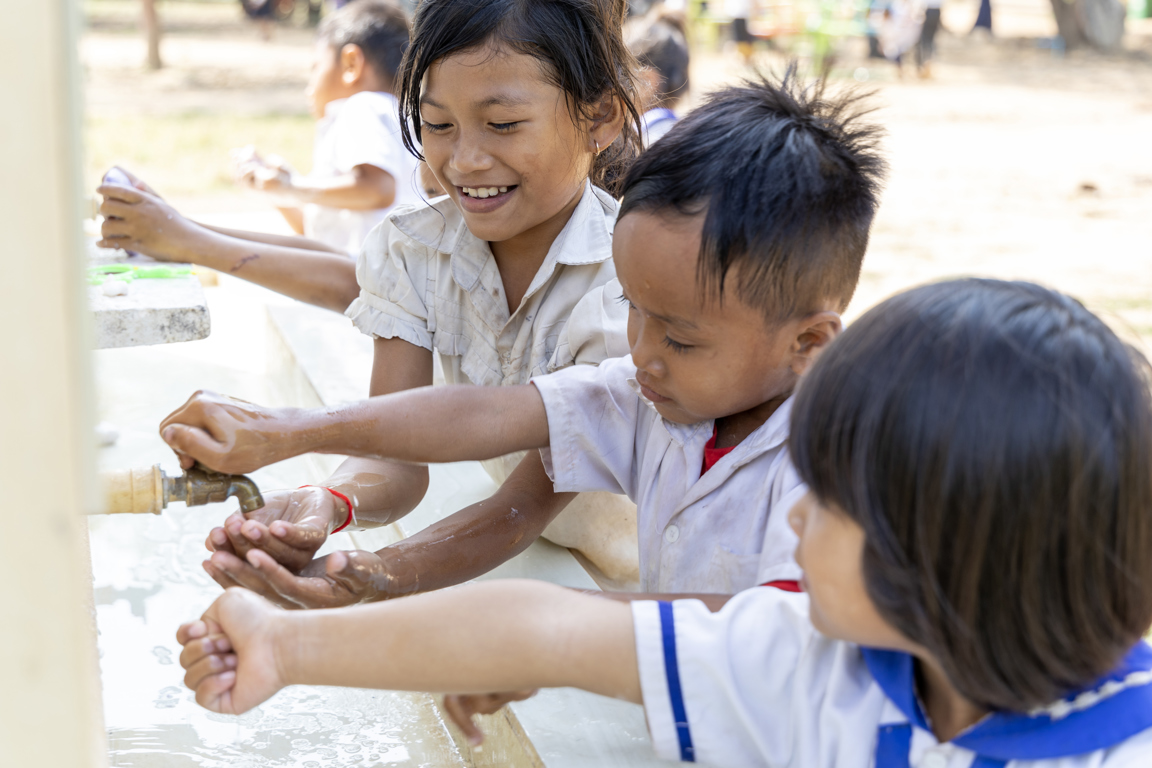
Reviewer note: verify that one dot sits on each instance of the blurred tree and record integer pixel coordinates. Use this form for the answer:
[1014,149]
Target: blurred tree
[152,33]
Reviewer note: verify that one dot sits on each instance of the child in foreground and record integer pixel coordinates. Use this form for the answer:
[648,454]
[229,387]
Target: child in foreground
[734,270]
[360,167]
[975,547]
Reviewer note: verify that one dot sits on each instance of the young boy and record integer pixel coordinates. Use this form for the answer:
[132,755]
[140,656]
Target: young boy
[357,52]
[735,272]
[360,168]
[976,566]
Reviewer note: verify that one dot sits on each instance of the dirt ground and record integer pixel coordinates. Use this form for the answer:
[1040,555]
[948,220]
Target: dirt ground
[1010,162]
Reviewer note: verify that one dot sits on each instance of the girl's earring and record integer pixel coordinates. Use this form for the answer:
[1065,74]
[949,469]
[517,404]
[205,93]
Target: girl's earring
[597,146]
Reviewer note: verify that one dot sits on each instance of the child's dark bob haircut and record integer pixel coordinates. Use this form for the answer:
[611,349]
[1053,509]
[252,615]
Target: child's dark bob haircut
[994,441]
[787,180]
[578,42]
[380,29]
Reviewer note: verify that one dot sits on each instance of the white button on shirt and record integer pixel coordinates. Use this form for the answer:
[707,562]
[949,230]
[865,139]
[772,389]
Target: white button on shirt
[426,279]
[721,532]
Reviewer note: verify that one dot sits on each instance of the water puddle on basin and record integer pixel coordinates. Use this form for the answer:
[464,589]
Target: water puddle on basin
[147,581]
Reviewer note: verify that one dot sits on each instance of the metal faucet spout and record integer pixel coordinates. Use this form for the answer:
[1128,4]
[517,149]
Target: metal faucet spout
[245,492]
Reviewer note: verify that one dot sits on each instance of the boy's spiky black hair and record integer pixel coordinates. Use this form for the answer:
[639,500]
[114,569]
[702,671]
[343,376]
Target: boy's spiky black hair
[787,179]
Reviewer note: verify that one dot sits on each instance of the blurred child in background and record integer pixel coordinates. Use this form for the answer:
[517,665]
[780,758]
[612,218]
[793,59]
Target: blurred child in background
[360,168]
[357,52]
[659,41]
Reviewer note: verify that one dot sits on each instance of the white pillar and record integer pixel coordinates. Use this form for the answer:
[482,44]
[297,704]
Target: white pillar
[50,708]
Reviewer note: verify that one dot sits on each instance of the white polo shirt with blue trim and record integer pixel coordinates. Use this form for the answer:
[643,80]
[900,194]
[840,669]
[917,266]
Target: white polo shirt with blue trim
[757,685]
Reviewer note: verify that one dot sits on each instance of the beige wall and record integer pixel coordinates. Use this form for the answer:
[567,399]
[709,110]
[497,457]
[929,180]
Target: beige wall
[49,708]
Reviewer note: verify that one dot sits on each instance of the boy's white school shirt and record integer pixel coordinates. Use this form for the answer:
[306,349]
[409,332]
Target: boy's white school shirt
[426,279]
[757,685]
[723,531]
[363,129]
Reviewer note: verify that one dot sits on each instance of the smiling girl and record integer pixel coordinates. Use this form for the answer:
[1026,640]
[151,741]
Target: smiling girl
[523,110]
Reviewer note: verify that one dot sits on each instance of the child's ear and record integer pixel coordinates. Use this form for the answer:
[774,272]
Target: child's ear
[816,332]
[352,64]
[605,123]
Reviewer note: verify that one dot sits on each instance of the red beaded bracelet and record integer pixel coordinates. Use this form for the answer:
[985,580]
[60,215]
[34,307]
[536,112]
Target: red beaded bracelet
[342,497]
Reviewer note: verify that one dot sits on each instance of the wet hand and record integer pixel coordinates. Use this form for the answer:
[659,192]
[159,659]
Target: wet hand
[290,527]
[333,581]
[137,219]
[228,435]
[230,654]
[460,709]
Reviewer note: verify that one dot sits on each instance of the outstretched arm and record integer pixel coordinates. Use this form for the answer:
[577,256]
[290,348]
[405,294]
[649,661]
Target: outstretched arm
[519,635]
[138,221]
[425,425]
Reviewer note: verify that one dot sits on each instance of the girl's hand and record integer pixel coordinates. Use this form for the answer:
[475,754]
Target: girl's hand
[139,183]
[228,435]
[230,654]
[290,527]
[333,581]
[139,220]
[461,707]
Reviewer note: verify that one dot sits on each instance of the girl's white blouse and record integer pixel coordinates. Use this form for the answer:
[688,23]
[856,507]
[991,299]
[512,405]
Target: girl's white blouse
[426,279]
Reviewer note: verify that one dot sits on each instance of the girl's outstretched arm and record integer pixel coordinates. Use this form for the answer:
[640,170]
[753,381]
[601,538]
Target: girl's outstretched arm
[497,636]
[425,425]
[138,221]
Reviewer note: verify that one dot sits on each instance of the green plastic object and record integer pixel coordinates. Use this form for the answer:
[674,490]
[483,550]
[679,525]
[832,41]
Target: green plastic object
[129,272]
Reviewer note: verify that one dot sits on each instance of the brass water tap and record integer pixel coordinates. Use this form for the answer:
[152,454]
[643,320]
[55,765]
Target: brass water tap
[149,489]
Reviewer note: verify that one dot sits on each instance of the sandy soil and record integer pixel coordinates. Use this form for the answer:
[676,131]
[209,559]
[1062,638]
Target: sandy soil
[1010,162]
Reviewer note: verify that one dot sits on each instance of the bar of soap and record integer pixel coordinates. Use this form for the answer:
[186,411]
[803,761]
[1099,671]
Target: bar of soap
[114,288]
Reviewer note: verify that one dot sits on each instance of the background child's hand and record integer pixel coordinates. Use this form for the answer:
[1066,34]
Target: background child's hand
[137,219]
[230,654]
[333,581]
[226,434]
[252,171]
[290,527]
[461,708]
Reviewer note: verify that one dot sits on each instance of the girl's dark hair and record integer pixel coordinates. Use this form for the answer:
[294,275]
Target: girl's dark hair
[579,42]
[994,441]
[787,179]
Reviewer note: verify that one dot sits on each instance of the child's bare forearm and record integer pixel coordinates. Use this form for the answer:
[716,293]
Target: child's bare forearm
[323,278]
[382,491]
[364,188]
[286,241]
[429,425]
[498,636]
[480,537]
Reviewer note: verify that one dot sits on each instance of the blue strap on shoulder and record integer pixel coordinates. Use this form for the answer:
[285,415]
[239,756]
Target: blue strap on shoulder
[675,694]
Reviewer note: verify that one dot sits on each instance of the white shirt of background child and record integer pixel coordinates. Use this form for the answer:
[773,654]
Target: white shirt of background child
[721,532]
[760,686]
[426,279]
[363,129]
